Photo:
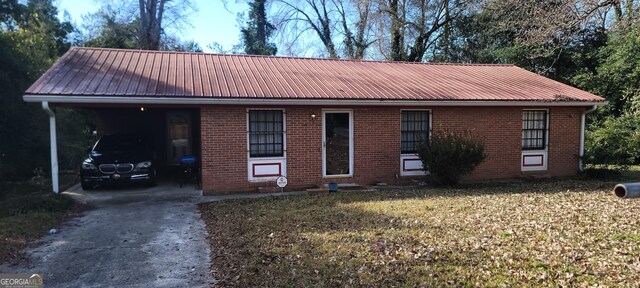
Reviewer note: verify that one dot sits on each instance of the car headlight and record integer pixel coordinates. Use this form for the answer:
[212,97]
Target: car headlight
[142,165]
[88,166]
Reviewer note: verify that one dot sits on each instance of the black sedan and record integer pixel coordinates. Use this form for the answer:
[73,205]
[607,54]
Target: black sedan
[119,159]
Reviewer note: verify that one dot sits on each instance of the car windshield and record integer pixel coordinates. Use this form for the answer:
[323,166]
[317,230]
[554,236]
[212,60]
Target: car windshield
[120,144]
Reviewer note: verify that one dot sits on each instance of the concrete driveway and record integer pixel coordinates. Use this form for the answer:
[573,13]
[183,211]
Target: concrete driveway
[144,237]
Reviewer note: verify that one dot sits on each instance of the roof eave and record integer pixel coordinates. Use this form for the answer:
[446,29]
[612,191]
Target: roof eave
[68,99]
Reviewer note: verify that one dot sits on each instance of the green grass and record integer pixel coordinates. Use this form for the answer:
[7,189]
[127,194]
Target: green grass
[559,233]
[29,210]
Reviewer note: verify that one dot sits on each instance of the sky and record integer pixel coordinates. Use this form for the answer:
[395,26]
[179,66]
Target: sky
[212,22]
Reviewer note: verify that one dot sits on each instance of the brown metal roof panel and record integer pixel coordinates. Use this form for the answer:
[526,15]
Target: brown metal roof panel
[163,75]
[210,84]
[217,77]
[194,75]
[51,84]
[130,72]
[251,88]
[262,78]
[350,80]
[332,83]
[96,71]
[225,72]
[308,86]
[40,86]
[179,87]
[77,84]
[110,73]
[249,71]
[377,82]
[68,69]
[284,87]
[104,75]
[369,89]
[387,78]
[60,70]
[139,84]
[243,78]
[92,77]
[152,77]
[175,75]
[186,84]
[322,90]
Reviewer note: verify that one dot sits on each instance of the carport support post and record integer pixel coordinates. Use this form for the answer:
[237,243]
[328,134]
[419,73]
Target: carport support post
[54,146]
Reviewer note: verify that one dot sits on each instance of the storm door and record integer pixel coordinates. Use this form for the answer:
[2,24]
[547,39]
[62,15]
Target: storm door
[337,143]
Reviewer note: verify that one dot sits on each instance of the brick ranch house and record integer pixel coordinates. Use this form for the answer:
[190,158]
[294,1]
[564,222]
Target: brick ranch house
[251,119]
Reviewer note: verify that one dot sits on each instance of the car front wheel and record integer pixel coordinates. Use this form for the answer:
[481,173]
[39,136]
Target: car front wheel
[86,185]
[152,179]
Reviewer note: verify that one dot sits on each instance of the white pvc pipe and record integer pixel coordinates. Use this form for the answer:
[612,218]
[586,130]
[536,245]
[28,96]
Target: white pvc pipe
[54,147]
[582,128]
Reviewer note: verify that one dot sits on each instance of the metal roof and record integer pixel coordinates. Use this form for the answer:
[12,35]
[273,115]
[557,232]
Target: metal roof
[122,73]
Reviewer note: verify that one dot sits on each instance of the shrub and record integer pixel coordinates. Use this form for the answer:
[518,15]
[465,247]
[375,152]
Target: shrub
[616,142]
[450,156]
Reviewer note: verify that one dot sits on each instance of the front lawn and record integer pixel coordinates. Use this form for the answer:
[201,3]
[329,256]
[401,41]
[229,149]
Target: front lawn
[29,210]
[563,233]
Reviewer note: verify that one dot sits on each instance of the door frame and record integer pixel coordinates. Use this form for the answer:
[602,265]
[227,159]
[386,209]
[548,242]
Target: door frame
[190,151]
[324,141]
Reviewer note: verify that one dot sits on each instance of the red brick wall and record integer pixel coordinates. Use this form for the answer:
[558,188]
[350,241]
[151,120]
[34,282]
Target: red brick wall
[304,147]
[224,148]
[377,144]
[377,155]
[564,141]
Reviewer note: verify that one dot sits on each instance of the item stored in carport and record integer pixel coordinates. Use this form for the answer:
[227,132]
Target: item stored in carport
[627,190]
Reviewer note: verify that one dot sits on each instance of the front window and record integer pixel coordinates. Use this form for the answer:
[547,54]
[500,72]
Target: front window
[534,129]
[266,133]
[414,129]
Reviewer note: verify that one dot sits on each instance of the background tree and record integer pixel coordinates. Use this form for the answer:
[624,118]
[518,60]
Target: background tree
[146,24]
[31,39]
[617,77]
[257,31]
[151,13]
[153,18]
[414,26]
[108,31]
[342,28]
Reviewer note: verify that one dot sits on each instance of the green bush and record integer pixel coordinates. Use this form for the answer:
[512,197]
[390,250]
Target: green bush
[615,142]
[450,156]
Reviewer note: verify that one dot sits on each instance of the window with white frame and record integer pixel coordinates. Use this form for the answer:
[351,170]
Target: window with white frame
[266,133]
[534,129]
[414,129]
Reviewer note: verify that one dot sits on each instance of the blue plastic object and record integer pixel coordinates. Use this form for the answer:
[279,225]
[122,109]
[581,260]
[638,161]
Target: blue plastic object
[333,187]
[188,159]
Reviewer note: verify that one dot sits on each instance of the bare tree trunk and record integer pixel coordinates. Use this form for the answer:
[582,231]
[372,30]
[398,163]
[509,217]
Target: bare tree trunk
[617,7]
[355,45]
[362,26]
[151,12]
[397,33]
[316,16]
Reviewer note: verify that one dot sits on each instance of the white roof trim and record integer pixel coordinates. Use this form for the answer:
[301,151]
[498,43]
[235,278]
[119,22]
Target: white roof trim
[284,101]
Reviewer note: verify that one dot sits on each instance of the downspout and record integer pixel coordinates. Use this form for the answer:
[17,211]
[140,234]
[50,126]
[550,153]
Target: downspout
[54,146]
[582,128]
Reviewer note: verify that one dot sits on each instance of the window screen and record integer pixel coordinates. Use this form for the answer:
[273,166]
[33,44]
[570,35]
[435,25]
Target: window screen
[534,129]
[414,129]
[266,133]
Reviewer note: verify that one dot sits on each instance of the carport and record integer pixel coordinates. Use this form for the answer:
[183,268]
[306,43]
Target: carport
[124,96]
[172,132]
